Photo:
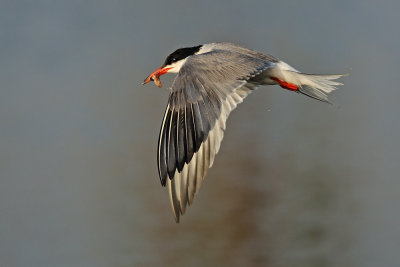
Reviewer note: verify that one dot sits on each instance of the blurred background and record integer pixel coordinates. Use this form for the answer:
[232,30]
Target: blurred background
[296,182]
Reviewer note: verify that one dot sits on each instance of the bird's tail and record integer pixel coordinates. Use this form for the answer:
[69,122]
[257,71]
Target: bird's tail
[312,85]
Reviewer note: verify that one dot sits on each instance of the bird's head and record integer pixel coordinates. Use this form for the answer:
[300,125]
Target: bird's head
[172,63]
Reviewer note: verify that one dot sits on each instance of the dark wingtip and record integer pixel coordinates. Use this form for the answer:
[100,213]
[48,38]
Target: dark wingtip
[176,215]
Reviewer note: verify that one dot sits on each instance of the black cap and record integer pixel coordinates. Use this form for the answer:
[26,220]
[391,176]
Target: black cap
[180,54]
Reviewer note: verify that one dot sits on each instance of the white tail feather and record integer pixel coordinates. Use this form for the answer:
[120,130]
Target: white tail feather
[312,85]
[318,86]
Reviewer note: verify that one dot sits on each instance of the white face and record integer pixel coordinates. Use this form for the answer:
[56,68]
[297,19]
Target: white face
[176,66]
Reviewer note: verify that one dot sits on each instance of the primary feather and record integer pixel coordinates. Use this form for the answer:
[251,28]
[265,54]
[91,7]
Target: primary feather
[209,85]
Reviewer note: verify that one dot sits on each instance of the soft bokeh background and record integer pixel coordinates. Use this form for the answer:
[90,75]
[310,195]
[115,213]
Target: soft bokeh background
[296,182]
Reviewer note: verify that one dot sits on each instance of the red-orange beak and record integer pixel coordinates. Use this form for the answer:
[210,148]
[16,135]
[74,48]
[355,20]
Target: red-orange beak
[158,72]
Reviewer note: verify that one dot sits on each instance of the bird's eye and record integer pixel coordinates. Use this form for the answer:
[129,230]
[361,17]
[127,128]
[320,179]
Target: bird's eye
[174,59]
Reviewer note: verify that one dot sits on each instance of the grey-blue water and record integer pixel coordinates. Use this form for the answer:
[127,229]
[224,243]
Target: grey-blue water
[296,183]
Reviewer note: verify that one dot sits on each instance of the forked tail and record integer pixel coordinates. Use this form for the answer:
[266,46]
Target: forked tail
[312,85]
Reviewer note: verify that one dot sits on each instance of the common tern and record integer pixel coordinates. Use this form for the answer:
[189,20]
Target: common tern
[212,80]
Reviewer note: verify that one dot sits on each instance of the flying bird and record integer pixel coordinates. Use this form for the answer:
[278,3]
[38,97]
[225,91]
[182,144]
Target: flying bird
[212,80]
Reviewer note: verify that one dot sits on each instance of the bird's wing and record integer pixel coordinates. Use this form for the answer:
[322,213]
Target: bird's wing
[207,88]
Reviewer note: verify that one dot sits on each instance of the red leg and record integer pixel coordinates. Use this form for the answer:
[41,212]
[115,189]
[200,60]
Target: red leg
[286,85]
